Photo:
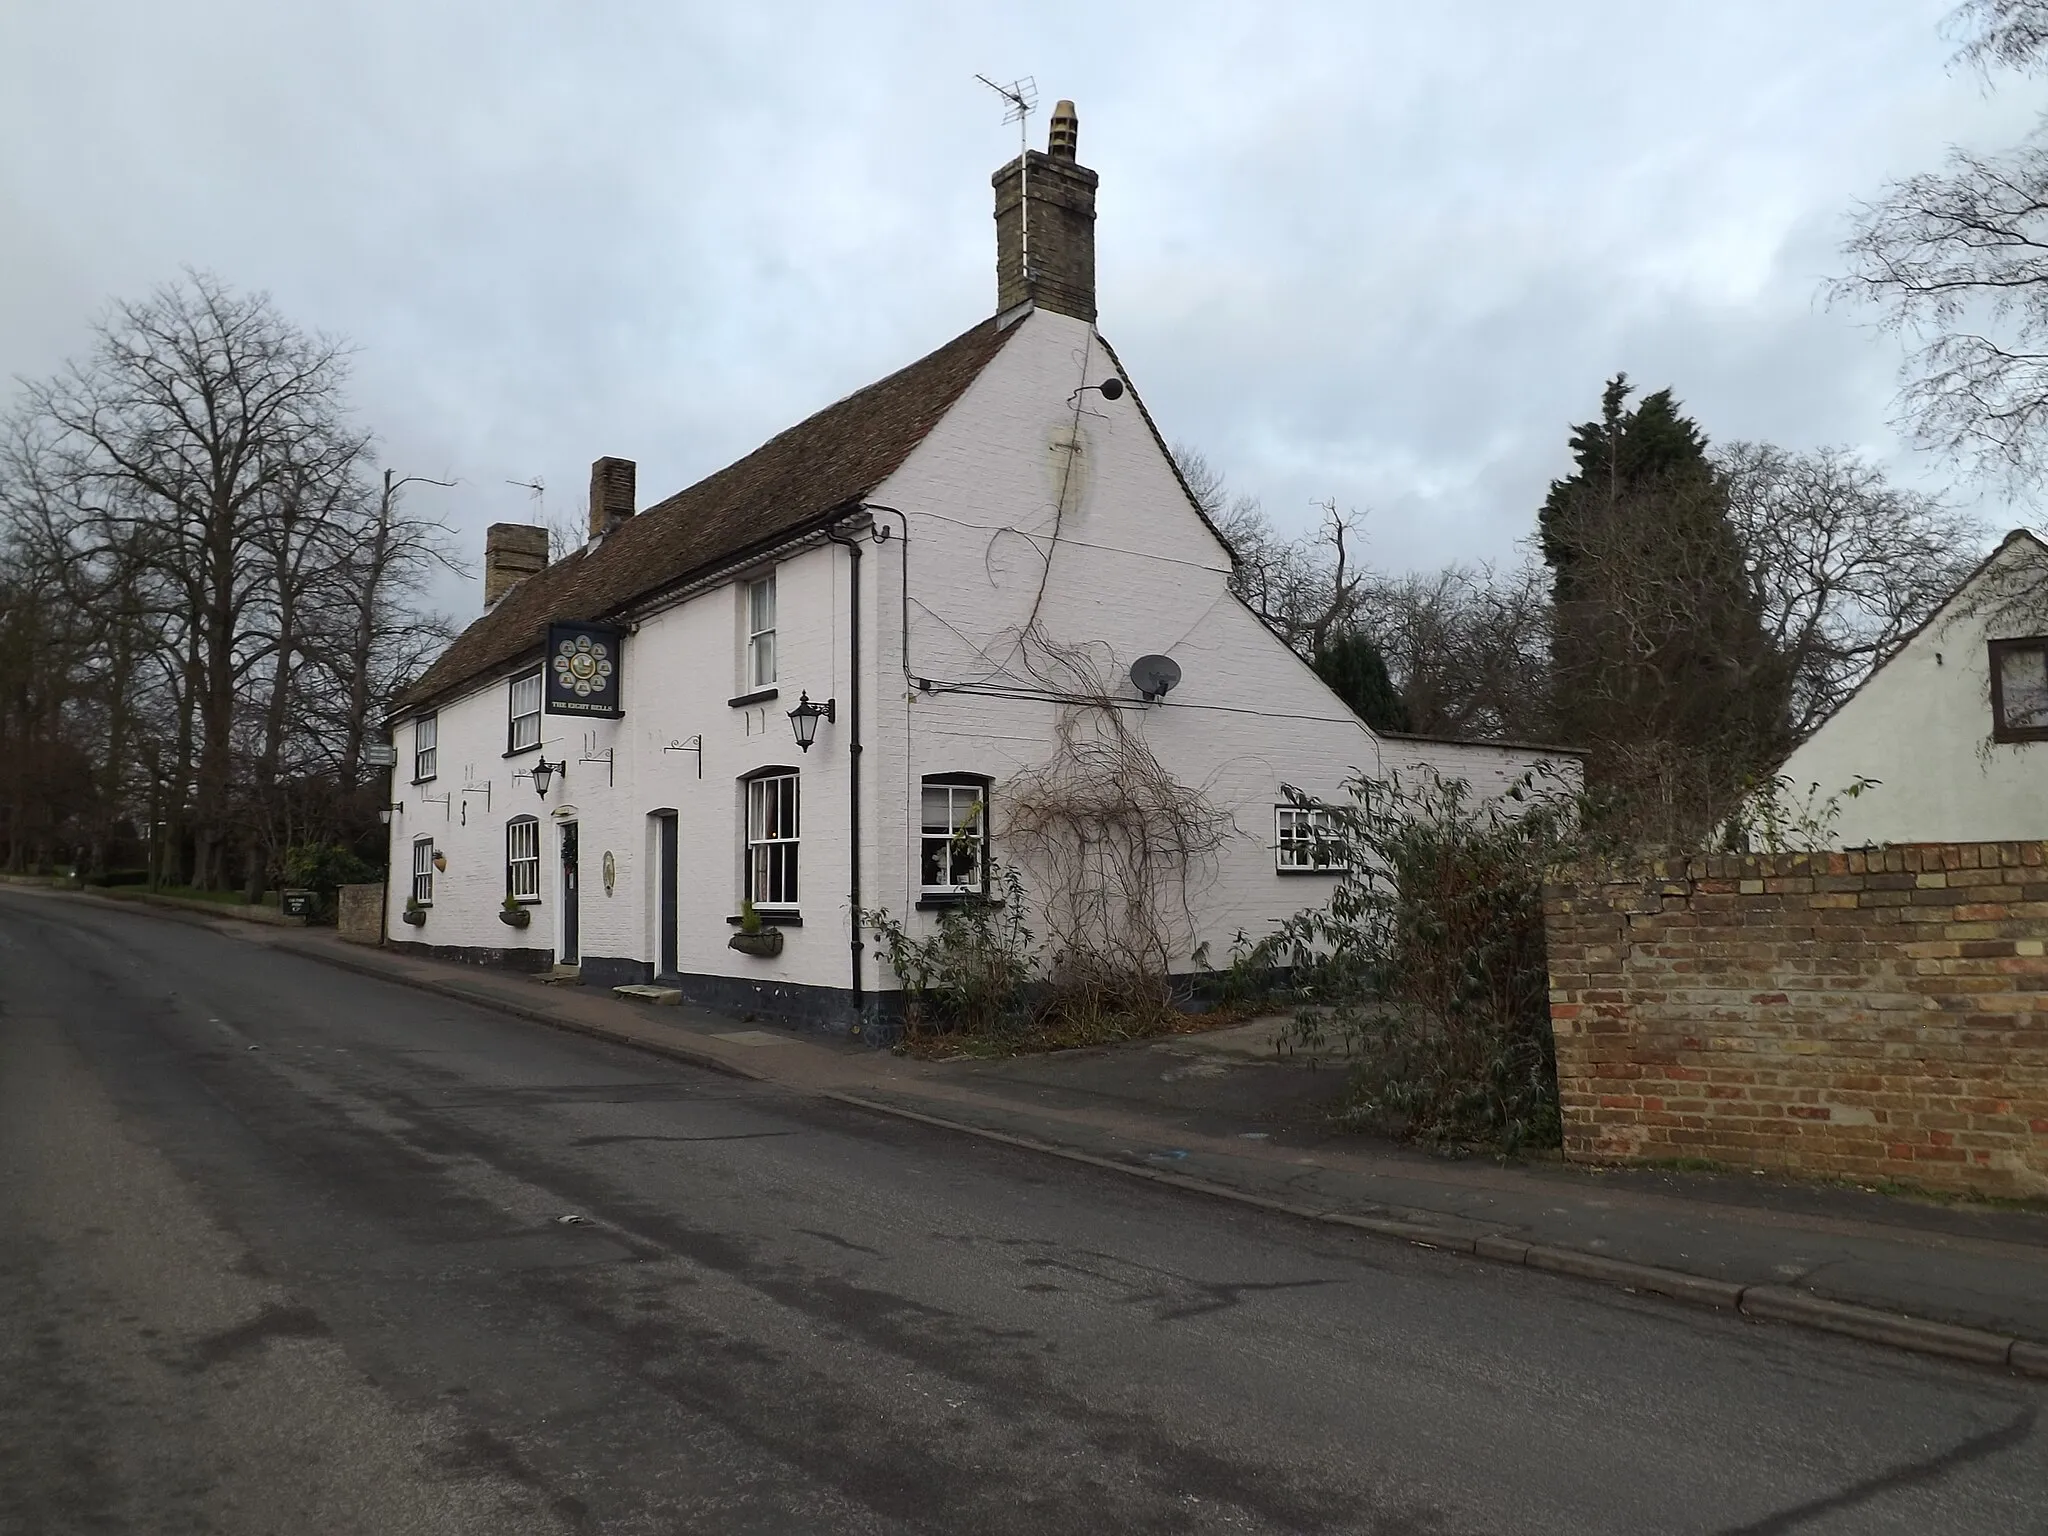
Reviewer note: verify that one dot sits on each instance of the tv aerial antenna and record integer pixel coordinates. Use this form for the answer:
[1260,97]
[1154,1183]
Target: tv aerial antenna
[1020,99]
[537,489]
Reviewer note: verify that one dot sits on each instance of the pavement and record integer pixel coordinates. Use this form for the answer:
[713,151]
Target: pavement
[286,1246]
[1235,1114]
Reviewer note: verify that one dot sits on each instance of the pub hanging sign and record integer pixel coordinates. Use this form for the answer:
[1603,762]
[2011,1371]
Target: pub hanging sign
[584,670]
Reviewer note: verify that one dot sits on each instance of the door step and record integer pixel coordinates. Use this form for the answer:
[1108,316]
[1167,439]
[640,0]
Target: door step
[560,976]
[641,992]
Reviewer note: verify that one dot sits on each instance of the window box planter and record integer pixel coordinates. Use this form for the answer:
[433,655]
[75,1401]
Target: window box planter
[767,943]
[515,917]
[415,917]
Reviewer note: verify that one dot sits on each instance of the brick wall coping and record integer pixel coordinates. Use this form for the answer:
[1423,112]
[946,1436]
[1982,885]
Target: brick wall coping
[1890,858]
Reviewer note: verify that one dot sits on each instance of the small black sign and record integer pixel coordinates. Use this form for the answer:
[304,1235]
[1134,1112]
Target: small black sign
[297,903]
[584,669]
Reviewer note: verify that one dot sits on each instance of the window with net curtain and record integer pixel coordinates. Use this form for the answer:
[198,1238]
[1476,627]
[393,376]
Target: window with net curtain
[954,835]
[772,839]
[425,750]
[522,858]
[761,632]
[525,713]
[423,871]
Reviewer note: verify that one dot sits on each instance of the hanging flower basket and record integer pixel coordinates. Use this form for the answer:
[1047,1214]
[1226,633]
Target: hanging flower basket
[514,917]
[767,943]
[415,917]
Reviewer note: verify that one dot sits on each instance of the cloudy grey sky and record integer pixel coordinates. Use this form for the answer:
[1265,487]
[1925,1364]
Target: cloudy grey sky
[1382,253]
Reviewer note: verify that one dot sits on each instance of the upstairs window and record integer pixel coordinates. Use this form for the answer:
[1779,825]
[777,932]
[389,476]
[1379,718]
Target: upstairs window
[954,836]
[772,827]
[423,871]
[426,738]
[524,728]
[761,632]
[2019,689]
[1306,842]
[522,858]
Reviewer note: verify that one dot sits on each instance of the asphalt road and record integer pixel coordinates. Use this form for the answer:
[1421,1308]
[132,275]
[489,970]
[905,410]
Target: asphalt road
[281,1252]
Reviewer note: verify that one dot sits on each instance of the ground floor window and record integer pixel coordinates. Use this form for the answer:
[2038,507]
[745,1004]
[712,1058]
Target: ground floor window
[954,836]
[423,871]
[772,828]
[1306,841]
[522,858]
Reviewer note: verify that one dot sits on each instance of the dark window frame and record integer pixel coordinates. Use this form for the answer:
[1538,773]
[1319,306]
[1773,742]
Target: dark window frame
[1997,651]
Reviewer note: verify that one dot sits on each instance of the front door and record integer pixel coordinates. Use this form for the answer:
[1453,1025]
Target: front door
[569,954]
[669,874]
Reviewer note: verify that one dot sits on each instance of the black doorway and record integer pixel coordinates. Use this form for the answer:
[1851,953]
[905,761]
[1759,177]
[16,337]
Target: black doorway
[670,878]
[569,952]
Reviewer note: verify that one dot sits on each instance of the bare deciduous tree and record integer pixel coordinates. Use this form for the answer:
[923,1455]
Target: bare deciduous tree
[1468,646]
[196,487]
[1842,563]
[1305,589]
[1956,262]
[2001,34]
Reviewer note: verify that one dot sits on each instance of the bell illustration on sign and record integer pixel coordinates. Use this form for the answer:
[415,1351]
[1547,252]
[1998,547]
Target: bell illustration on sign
[611,871]
[583,665]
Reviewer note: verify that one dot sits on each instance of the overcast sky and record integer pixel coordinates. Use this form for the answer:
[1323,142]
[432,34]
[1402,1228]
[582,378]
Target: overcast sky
[1380,253]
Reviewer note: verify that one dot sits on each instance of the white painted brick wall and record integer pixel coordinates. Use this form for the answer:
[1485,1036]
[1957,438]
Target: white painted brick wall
[1135,571]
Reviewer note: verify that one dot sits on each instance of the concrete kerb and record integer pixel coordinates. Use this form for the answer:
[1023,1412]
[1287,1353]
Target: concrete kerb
[1775,1303]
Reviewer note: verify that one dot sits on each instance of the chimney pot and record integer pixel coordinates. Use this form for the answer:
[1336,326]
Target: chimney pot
[1064,143]
[612,488]
[512,552]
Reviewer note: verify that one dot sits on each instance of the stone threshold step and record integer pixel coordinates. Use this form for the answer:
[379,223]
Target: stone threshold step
[641,992]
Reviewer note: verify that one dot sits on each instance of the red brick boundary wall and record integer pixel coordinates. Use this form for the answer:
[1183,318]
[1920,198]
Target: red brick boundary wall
[1881,1014]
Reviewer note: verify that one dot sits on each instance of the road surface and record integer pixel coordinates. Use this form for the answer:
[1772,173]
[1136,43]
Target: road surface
[283,1251]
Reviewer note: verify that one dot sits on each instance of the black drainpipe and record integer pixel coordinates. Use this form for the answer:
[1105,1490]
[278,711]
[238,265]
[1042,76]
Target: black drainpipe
[853,750]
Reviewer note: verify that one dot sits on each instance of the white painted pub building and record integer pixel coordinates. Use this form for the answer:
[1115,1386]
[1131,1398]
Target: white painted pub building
[805,682]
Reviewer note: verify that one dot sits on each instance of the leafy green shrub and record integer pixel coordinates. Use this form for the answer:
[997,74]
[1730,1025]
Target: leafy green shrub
[974,974]
[1774,817]
[1428,958]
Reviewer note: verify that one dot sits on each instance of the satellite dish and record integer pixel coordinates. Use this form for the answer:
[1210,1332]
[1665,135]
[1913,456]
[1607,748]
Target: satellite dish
[1155,676]
[1112,389]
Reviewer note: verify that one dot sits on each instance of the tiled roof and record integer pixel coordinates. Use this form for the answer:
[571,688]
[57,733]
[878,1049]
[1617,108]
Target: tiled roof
[823,464]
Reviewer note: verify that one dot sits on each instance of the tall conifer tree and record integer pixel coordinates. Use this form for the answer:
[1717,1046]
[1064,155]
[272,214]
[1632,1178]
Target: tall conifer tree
[1661,666]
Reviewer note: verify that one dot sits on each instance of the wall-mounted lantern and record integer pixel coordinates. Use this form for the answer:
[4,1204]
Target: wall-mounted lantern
[805,717]
[544,774]
[384,811]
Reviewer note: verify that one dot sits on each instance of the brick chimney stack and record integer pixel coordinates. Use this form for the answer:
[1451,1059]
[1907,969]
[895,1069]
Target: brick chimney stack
[1045,226]
[612,488]
[512,552]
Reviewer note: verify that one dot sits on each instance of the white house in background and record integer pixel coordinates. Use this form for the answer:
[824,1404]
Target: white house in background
[1954,726]
[627,785]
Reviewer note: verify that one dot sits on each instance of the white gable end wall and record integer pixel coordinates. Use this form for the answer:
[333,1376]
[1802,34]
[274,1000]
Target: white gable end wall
[1921,725]
[1134,570]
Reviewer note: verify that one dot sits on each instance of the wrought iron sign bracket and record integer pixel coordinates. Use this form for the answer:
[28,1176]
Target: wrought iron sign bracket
[694,744]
